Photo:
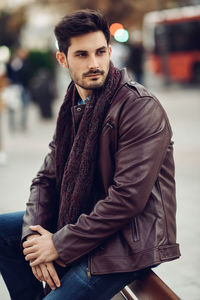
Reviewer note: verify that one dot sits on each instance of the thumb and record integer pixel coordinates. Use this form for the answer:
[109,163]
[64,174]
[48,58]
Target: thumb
[39,229]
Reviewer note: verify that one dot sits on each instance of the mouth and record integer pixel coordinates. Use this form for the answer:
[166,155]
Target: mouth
[93,75]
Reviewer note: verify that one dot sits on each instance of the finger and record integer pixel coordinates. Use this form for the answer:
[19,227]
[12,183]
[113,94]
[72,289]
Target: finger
[39,229]
[29,238]
[28,243]
[29,250]
[39,273]
[47,277]
[31,242]
[52,271]
[33,257]
[32,236]
[35,273]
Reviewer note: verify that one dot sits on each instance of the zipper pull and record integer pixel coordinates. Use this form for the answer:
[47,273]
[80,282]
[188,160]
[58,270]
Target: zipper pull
[88,272]
[109,124]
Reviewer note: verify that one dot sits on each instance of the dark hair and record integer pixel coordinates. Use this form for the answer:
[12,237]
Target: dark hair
[78,23]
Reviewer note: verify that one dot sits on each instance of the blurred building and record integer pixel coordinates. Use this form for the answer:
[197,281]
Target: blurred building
[171,39]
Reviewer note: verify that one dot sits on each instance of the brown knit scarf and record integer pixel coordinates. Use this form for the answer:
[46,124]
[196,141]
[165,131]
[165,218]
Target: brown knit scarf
[76,156]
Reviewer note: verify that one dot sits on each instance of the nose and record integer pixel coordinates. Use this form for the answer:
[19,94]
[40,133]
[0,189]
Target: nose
[93,62]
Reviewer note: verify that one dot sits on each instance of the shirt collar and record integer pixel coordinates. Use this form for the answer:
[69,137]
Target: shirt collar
[81,101]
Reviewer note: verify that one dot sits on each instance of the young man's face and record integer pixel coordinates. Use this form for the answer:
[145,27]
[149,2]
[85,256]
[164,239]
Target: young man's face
[88,60]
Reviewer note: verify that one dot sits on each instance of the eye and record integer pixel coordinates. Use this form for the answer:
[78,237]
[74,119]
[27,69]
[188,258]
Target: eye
[81,54]
[101,52]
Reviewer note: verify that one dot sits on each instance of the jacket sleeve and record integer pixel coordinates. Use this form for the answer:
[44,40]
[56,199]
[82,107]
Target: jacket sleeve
[144,136]
[41,207]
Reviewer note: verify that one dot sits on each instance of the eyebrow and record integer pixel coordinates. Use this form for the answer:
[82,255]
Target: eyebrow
[85,51]
[101,48]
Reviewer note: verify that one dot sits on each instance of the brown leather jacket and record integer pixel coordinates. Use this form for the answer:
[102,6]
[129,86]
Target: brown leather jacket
[133,225]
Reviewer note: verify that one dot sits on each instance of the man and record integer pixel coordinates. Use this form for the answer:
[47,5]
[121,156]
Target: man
[102,207]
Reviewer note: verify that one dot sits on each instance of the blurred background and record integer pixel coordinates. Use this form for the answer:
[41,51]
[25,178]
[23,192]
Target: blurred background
[158,41]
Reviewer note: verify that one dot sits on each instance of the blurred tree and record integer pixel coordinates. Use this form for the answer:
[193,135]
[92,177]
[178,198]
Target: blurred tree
[10,27]
[113,9]
[42,81]
[41,60]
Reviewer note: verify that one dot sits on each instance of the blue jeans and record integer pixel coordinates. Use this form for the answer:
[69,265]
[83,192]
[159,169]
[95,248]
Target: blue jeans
[16,272]
[75,283]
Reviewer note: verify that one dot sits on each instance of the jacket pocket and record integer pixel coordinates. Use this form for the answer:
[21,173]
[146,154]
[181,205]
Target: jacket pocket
[134,227]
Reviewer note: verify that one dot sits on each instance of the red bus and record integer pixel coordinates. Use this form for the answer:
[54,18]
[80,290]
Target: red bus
[172,43]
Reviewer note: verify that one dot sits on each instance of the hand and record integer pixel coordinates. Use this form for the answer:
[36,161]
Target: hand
[46,272]
[40,249]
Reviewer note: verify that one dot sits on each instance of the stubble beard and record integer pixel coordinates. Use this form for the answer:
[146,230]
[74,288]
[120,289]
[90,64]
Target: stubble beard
[94,83]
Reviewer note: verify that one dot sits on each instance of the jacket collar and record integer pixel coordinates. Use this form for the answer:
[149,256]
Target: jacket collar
[124,77]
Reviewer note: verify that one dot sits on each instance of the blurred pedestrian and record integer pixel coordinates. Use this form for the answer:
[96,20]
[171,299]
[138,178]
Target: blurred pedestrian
[135,62]
[43,92]
[11,96]
[102,207]
[18,71]
[3,84]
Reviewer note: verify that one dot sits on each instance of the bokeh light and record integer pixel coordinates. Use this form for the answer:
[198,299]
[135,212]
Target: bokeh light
[121,35]
[4,54]
[114,27]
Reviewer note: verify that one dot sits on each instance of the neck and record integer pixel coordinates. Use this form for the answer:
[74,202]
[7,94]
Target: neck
[83,93]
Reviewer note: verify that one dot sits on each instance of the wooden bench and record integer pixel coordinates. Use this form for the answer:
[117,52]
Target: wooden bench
[148,287]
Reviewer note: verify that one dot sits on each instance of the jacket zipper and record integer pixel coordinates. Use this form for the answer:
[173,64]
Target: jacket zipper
[135,230]
[73,123]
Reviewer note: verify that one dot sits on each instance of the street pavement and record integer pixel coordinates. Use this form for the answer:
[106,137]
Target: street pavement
[25,152]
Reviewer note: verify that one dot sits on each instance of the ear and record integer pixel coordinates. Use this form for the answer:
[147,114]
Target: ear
[61,58]
[109,50]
